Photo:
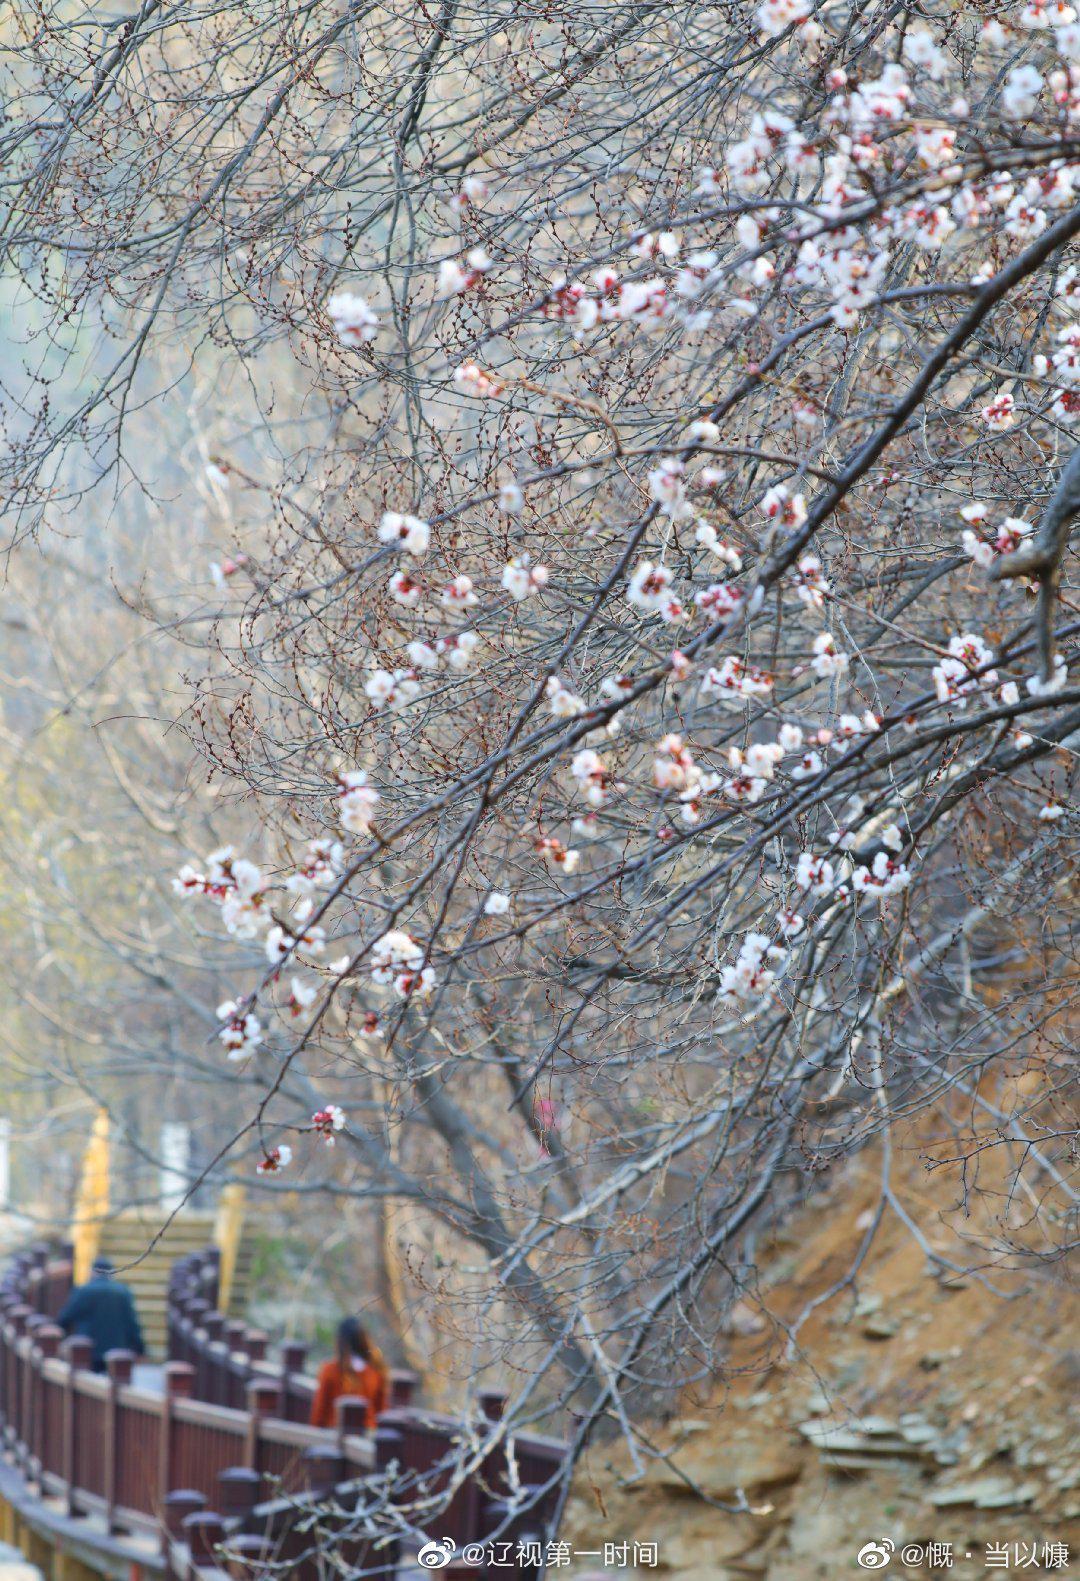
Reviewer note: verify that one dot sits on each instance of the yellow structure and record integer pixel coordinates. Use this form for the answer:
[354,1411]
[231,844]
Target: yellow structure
[92,1202]
[228,1230]
[143,1243]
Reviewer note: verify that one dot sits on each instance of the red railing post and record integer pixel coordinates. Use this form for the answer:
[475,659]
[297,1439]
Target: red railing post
[12,1302]
[238,1489]
[210,1273]
[293,1357]
[19,1317]
[4,1407]
[196,1312]
[238,1363]
[403,1385]
[217,1358]
[492,1404]
[47,1341]
[351,1417]
[178,1382]
[178,1505]
[324,1468]
[34,1383]
[389,1463]
[203,1532]
[78,1353]
[118,1364]
[389,1449]
[263,1399]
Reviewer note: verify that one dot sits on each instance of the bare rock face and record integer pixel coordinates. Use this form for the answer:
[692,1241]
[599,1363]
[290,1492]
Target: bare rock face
[916,1411]
[723,1466]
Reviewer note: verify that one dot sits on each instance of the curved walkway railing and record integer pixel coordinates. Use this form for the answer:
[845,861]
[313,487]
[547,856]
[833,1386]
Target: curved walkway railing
[156,1481]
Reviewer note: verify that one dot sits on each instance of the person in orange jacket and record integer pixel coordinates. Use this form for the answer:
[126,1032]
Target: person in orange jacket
[358,1371]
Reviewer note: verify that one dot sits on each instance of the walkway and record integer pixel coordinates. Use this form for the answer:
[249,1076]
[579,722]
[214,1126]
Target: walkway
[13,1567]
[149,1376]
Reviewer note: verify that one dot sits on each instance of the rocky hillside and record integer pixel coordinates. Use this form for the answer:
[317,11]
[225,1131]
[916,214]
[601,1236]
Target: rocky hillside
[918,1405]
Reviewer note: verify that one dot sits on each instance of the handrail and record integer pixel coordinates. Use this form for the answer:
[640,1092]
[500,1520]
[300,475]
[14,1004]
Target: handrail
[229,1433]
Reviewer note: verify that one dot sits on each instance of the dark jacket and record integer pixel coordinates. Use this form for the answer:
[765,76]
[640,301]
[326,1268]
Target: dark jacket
[103,1311]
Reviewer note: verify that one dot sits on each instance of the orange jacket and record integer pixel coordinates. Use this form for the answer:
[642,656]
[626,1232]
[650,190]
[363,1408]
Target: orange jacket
[335,1381]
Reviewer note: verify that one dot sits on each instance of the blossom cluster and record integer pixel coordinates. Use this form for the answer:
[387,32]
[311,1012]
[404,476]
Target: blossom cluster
[245,897]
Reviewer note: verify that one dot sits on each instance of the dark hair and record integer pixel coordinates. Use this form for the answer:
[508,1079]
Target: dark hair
[353,1341]
[101,1265]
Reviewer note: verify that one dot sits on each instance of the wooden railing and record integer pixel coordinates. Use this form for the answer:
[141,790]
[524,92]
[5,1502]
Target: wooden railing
[227,1354]
[224,1455]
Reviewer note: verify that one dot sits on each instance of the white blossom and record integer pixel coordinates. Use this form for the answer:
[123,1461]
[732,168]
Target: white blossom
[1020,95]
[397,958]
[754,971]
[458,594]
[815,874]
[242,1032]
[563,702]
[1037,687]
[274,1159]
[779,506]
[356,801]
[511,498]
[733,678]
[392,689]
[649,589]
[404,590]
[828,660]
[354,321]
[885,877]
[410,533]
[522,579]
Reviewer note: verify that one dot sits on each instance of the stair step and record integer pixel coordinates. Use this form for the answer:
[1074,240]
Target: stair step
[138,1239]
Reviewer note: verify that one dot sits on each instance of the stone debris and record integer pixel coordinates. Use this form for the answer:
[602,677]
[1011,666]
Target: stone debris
[880,1327]
[985,1493]
[744,1320]
[725,1467]
[863,1443]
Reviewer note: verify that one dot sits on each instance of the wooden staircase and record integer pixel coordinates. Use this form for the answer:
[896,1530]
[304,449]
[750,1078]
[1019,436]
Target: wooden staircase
[125,1240]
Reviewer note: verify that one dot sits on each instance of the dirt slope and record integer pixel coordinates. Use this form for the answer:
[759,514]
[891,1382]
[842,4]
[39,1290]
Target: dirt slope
[918,1406]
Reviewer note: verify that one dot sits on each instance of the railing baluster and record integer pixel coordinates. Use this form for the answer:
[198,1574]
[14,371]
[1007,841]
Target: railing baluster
[118,1365]
[263,1399]
[238,1490]
[293,1357]
[178,1384]
[78,1353]
[203,1532]
[48,1340]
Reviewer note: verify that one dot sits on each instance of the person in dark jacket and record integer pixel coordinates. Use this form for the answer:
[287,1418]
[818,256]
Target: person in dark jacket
[103,1311]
